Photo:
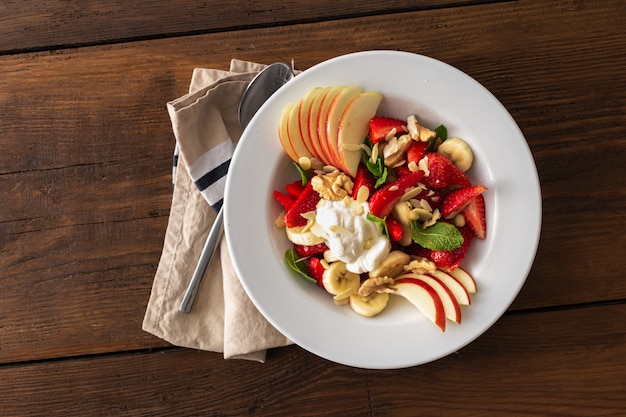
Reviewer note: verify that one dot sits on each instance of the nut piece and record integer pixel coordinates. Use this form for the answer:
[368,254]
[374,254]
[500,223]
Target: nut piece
[417,131]
[395,150]
[333,186]
[421,266]
[376,285]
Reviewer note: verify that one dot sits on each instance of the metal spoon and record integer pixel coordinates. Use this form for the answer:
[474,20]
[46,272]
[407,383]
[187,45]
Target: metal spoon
[262,86]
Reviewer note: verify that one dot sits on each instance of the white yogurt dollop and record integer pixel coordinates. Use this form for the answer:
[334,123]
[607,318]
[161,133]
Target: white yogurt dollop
[350,236]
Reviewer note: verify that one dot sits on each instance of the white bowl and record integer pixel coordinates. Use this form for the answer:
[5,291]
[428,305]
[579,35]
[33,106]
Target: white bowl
[400,336]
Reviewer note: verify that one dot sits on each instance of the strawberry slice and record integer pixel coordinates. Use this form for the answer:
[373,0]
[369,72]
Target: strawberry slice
[313,250]
[306,202]
[452,259]
[443,173]
[363,178]
[474,214]
[285,200]
[395,229]
[316,270]
[295,188]
[380,126]
[416,151]
[458,199]
[434,198]
[383,200]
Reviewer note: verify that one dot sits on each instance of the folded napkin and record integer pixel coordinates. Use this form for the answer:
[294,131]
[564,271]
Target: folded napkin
[223,318]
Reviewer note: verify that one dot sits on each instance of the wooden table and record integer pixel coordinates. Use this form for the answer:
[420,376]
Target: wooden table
[85,189]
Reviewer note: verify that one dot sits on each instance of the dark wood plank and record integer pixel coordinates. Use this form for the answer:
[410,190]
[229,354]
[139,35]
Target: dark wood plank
[530,364]
[33,24]
[88,169]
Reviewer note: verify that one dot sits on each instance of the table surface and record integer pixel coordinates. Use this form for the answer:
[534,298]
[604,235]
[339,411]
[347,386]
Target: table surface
[85,192]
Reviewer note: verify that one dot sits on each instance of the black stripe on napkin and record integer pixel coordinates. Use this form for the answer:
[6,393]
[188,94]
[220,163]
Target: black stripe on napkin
[212,176]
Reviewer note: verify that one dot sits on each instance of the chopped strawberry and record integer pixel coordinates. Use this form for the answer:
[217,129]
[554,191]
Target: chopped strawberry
[363,178]
[402,170]
[383,200]
[285,200]
[380,126]
[395,229]
[458,199]
[474,214]
[295,188]
[434,198]
[306,251]
[452,259]
[416,151]
[443,173]
[316,270]
[305,203]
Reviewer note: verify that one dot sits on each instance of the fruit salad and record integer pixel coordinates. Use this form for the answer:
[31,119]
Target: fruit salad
[384,206]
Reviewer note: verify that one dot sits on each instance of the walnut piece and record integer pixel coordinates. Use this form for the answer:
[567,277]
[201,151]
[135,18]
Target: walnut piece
[395,150]
[333,186]
[376,285]
[420,266]
[417,131]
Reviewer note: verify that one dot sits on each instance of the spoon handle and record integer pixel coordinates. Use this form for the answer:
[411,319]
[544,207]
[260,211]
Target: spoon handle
[208,251]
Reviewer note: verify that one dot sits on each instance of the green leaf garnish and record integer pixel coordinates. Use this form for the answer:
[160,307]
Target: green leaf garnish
[305,174]
[378,168]
[441,134]
[297,264]
[379,221]
[439,236]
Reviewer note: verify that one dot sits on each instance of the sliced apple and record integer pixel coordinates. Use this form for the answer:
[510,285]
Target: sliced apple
[321,123]
[424,297]
[335,112]
[295,135]
[354,127]
[457,289]
[303,118]
[450,304]
[313,117]
[465,278]
[283,133]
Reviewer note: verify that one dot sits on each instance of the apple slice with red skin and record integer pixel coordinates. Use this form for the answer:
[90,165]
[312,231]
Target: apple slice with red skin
[335,112]
[450,304]
[304,110]
[424,297]
[456,288]
[312,119]
[283,133]
[353,129]
[464,278]
[321,123]
[295,135]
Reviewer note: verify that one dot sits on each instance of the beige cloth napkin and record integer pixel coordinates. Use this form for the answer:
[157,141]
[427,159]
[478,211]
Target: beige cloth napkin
[223,318]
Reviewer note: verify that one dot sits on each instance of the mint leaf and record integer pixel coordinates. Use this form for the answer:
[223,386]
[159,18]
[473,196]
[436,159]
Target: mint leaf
[441,134]
[378,168]
[379,221]
[297,264]
[439,236]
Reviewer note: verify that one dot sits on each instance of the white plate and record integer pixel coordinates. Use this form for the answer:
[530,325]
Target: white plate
[401,336]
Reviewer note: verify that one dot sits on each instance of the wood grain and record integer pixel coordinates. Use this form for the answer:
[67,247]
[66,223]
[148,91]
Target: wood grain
[87,143]
[575,354]
[33,24]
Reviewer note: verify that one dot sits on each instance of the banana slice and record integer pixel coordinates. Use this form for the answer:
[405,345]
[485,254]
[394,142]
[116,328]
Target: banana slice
[392,265]
[339,281]
[302,235]
[369,306]
[458,152]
